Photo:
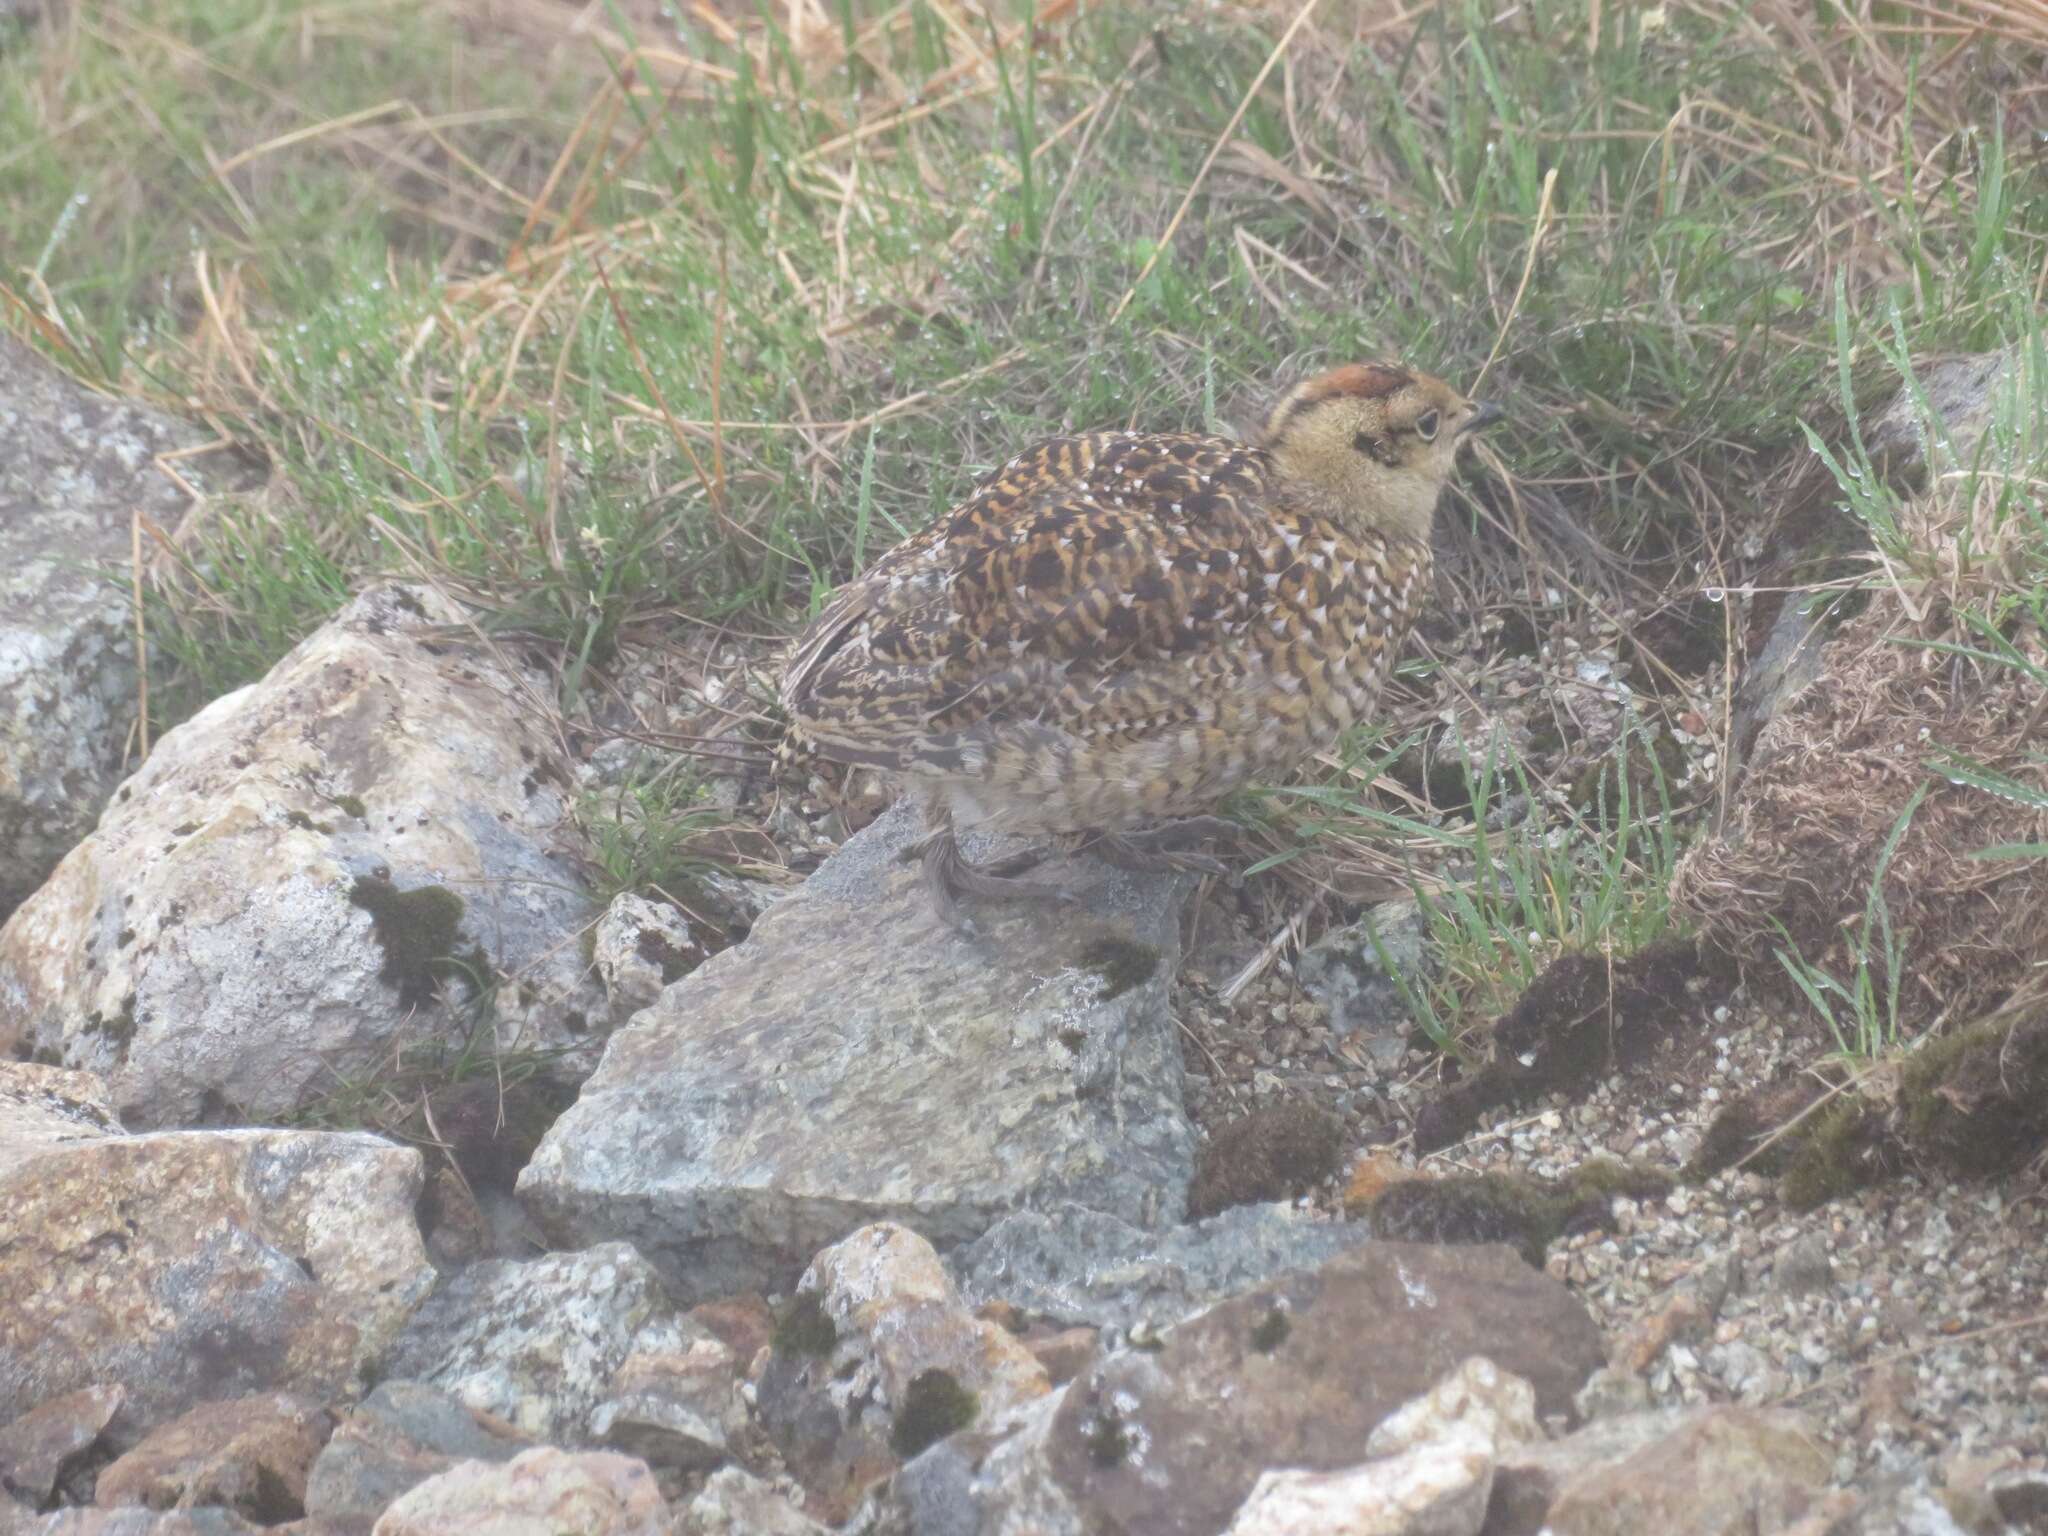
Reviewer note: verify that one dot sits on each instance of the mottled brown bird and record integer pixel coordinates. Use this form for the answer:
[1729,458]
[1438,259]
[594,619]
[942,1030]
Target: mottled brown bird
[1115,630]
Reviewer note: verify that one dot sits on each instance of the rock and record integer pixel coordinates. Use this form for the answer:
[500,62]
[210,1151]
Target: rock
[250,1455]
[1433,1476]
[1083,1266]
[744,1324]
[399,1436]
[1723,1470]
[536,1342]
[674,1409]
[1064,1354]
[2020,1495]
[1296,1374]
[1350,975]
[1802,1265]
[879,1358]
[1527,1477]
[1431,1490]
[640,946]
[41,1446]
[736,1503]
[78,467]
[47,1105]
[188,1266]
[301,870]
[139,1522]
[541,1492]
[854,1061]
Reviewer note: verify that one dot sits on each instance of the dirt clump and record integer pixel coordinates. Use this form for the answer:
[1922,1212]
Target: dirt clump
[1584,1017]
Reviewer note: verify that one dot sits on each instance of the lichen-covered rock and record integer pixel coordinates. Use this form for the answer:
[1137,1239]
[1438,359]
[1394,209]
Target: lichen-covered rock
[675,1409]
[878,1358]
[854,1061]
[541,1492]
[1170,1439]
[399,1436]
[250,1455]
[76,470]
[186,1266]
[1083,1266]
[301,871]
[1359,973]
[640,947]
[736,1503]
[136,1522]
[51,1104]
[536,1342]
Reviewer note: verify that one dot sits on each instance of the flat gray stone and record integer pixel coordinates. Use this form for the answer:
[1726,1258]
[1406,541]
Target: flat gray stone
[1083,1266]
[855,1061]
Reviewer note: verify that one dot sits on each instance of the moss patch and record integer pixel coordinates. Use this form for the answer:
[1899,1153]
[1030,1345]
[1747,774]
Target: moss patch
[805,1329]
[1274,1153]
[350,805]
[935,1405]
[1121,963]
[1842,1150]
[1976,1102]
[1108,1442]
[1520,1209]
[416,929]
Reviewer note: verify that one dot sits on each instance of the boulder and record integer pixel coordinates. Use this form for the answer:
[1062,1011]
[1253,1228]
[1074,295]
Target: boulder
[188,1266]
[250,1455]
[537,1342]
[1170,1439]
[78,467]
[301,874]
[1527,1477]
[1083,1266]
[855,1061]
[138,1522]
[399,1436]
[541,1492]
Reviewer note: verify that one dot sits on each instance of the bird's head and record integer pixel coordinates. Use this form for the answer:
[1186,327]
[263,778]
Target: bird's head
[1371,445]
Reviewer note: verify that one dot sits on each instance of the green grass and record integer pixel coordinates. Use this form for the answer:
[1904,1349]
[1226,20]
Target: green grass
[624,350]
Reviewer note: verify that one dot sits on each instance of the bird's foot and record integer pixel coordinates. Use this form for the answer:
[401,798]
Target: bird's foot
[948,877]
[1166,847]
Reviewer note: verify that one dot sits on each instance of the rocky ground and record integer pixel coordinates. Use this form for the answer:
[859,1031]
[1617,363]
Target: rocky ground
[1113,1217]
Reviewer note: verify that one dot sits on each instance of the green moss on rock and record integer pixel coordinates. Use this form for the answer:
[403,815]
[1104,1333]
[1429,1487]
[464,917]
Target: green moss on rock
[416,929]
[935,1405]
[805,1328]
[1121,963]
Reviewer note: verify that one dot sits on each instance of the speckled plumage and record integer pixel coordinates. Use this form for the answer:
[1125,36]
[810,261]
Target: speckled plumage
[1116,628]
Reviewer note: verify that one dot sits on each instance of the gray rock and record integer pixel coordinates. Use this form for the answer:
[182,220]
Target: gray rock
[1085,1266]
[640,946]
[302,871]
[854,1061]
[77,467]
[736,1503]
[536,1343]
[1170,1440]
[188,1266]
[838,1393]
[399,1436]
[1802,1265]
[1355,979]
[139,1522]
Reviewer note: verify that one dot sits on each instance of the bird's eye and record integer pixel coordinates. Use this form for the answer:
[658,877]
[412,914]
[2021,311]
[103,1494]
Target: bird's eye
[1426,425]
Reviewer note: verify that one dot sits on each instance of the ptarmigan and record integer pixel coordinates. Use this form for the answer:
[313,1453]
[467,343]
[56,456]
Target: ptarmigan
[1116,630]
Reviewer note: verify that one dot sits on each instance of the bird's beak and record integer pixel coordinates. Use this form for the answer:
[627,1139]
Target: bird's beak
[1484,414]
